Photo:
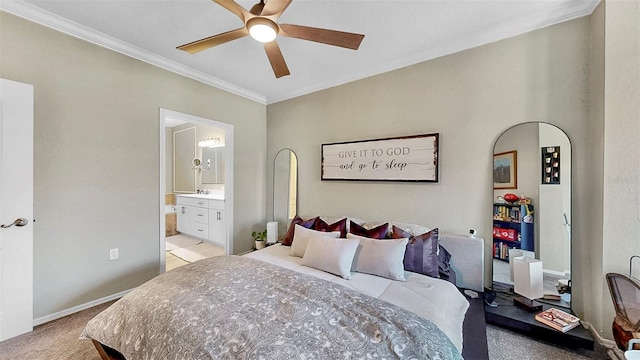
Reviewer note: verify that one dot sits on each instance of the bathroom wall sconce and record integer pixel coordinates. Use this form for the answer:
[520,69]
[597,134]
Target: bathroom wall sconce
[211,142]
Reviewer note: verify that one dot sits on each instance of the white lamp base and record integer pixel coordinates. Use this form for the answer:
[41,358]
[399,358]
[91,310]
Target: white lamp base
[272,232]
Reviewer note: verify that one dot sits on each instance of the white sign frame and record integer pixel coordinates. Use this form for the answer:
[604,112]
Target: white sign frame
[408,158]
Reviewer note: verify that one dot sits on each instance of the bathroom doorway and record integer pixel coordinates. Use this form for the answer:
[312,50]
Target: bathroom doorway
[191,179]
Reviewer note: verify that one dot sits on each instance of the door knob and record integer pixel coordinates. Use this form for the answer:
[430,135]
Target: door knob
[18,222]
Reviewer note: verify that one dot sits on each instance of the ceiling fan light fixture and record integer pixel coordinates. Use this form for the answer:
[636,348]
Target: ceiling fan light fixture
[262,29]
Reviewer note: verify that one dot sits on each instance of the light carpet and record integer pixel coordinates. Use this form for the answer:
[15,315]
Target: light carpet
[180,241]
[59,340]
[198,252]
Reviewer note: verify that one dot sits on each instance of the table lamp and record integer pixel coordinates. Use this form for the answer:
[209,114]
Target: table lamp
[528,282]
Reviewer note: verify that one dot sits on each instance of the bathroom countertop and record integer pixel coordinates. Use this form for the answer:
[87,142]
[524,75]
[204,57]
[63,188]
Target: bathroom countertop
[210,196]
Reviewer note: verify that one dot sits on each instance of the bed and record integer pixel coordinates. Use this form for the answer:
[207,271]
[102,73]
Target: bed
[268,304]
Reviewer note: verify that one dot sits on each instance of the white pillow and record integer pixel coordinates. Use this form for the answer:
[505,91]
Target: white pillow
[330,254]
[301,236]
[381,257]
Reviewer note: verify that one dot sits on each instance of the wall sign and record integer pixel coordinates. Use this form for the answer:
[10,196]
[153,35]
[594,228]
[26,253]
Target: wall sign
[408,158]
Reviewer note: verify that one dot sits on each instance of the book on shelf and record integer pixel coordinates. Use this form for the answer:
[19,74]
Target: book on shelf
[558,319]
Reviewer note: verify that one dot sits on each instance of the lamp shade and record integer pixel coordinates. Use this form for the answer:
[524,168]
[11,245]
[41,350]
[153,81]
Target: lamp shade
[272,232]
[527,276]
[513,253]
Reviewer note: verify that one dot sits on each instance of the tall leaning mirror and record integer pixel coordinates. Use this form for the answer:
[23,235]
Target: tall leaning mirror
[532,210]
[285,188]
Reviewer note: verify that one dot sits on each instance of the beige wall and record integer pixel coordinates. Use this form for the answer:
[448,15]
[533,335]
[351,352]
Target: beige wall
[470,98]
[97,160]
[574,75]
[621,214]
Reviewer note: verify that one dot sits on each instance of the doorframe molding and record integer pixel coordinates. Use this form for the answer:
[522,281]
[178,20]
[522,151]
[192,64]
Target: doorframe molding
[165,114]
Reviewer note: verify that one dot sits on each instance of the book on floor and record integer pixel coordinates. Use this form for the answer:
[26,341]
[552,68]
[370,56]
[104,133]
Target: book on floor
[558,319]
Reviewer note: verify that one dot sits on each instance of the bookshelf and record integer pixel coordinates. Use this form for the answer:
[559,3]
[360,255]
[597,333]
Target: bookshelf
[510,231]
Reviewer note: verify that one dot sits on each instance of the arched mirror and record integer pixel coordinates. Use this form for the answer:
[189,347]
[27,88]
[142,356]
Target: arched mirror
[533,162]
[285,188]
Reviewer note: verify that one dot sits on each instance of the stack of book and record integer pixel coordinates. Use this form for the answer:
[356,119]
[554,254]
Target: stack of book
[558,319]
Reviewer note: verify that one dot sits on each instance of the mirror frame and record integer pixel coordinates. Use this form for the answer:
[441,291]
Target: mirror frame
[570,218]
[273,184]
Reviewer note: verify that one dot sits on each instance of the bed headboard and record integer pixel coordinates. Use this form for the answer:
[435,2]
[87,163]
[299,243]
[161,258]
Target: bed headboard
[467,254]
[467,260]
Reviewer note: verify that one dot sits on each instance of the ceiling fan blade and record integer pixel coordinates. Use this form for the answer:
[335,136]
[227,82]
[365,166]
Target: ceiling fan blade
[274,8]
[211,41]
[325,36]
[276,59]
[235,8]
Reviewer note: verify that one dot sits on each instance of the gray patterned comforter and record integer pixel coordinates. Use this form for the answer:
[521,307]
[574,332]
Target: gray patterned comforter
[235,307]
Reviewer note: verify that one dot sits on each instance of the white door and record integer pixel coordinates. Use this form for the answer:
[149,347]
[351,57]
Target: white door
[16,207]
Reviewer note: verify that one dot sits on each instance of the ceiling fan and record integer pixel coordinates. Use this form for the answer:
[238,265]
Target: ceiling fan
[261,24]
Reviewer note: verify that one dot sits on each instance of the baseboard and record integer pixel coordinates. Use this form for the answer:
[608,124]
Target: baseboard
[606,343]
[553,272]
[75,309]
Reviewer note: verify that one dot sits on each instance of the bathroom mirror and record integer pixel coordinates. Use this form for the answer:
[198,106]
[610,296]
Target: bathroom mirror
[538,159]
[285,188]
[184,157]
[213,165]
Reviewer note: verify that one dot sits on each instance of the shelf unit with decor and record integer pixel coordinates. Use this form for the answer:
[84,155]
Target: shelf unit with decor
[510,231]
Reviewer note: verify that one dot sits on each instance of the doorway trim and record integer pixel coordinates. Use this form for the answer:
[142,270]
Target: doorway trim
[165,114]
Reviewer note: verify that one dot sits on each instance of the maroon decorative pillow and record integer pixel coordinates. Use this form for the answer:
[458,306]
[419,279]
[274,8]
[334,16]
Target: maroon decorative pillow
[297,220]
[378,232]
[340,225]
[421,255]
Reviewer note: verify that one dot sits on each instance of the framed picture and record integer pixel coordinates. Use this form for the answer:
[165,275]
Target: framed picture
[408,158]
[505,170]
[551,165]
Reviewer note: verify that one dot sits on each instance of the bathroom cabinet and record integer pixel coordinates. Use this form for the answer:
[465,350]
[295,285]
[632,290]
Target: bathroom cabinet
[216,222]
[202,218]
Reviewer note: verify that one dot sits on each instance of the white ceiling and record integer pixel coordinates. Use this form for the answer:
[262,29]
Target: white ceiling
[397,34]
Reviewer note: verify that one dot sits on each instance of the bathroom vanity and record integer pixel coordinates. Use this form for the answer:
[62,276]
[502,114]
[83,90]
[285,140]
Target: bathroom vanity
[202,216]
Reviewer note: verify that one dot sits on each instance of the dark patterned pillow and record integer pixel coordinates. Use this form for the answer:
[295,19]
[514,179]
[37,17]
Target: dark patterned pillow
[378,232]
[421,255]
[297,220]
[340,225]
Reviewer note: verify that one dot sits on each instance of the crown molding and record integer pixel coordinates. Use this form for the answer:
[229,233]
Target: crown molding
[39,16]
[446,47]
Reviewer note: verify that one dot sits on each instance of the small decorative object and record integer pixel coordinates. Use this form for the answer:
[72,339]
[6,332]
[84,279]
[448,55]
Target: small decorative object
[505,170]
[524,200]
[528,218]
[558,319]
[551,165]
[260,238]
[511,198]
